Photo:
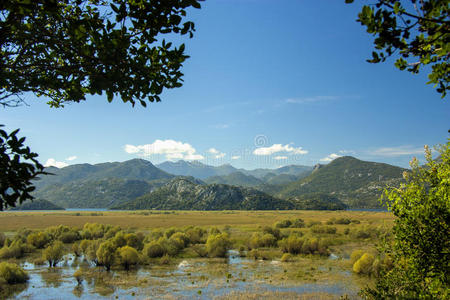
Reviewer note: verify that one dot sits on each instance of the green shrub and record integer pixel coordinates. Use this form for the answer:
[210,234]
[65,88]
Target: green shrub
[292,244]
[312,223]
[214,231]
[119,239]
[364,233]
[12,273]
[69,237]
[91,251]
[53,253]
[218,245]
[111,232]
[180,236]
[134,241]
[76,249]
[343,221]
[164,260]
[356,254]
[154,249]
[331,221]
[38,239]
[94,231]
[106,254]
[287,257]
[298,223]
[196,235]
[84,244]
[273,231]
[323,229]
[15,250]
[268,240]
[364,264]
[127,256]
[283,224]
[169,232]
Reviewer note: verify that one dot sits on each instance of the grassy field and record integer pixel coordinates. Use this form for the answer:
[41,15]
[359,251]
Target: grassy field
[11,221]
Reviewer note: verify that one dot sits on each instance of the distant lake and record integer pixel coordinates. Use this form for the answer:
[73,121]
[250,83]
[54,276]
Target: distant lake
[86,209]
[368,209]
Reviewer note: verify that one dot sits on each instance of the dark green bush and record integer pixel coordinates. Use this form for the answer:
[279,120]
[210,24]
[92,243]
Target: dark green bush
[283,224]
[298,223]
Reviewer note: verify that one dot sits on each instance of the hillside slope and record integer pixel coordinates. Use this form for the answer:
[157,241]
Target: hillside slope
[357,183]
[183,194]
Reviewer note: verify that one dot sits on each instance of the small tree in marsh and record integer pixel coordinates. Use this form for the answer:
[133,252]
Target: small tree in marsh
[53,253]
[128,256]
[106,254]
[421,248]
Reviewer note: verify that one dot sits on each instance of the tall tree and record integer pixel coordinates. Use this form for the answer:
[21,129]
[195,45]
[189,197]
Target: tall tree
[68,49]
[418,31]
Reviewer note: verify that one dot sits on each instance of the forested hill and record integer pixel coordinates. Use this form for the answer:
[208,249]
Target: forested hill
[357,183]
[236,178]
[134,169]
[37,204]
[184,194]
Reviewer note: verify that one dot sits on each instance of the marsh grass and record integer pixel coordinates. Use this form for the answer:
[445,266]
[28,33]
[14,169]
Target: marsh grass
[245,220]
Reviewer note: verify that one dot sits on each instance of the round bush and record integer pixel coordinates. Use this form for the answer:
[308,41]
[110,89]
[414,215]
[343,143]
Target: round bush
[12,273]
[153,249]
[128,256]
[218,245]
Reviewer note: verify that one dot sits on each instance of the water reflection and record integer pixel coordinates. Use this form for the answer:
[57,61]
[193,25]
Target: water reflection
[198,278]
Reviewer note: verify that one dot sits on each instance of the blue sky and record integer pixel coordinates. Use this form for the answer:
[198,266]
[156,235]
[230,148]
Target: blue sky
[269,83]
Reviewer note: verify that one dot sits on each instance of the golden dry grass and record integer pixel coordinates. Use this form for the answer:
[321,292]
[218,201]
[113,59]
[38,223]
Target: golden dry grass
[11,221]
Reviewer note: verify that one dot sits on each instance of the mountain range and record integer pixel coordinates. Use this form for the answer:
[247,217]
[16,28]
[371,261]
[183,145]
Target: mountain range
[347,181]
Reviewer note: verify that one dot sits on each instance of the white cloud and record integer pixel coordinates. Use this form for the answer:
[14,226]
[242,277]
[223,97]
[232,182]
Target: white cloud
[213,151]
[217,153]
[310,99]
[235,157]
[275,148]
[70,158]
[280,157]
[170,148]
[330,157]
[396,151]
[51,162]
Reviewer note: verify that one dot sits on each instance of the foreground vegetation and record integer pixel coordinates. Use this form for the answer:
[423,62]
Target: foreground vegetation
[293,238]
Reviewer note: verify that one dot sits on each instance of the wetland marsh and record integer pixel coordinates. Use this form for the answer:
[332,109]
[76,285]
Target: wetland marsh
[268,254]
